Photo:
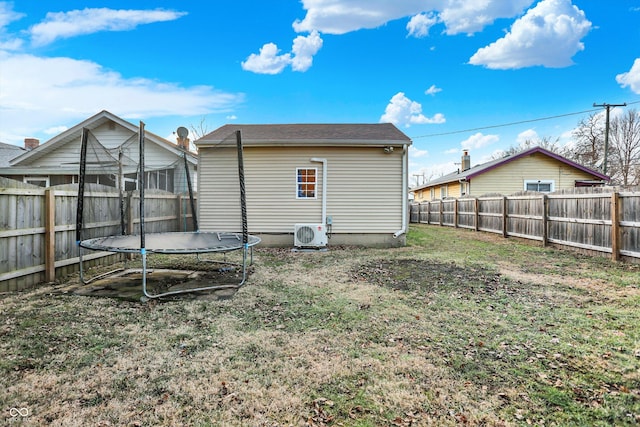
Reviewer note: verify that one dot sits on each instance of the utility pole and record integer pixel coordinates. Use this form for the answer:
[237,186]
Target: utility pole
[606,130]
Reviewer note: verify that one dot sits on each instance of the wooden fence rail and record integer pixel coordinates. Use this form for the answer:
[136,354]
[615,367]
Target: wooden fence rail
[605,222]
[38,227]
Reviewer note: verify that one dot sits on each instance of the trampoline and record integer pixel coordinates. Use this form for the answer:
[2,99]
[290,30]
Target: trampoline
[172,243]
[195,242]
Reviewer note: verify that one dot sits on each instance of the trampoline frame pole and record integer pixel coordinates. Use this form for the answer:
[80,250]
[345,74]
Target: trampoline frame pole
[80,201]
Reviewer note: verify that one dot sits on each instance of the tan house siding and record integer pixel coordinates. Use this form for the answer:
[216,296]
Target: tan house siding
[510,177]
[362,189]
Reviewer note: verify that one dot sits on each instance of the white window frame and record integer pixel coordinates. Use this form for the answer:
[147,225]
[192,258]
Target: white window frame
[551,182]
[444,190]
[315,184]
[30,179]
[464,188]
[432,193]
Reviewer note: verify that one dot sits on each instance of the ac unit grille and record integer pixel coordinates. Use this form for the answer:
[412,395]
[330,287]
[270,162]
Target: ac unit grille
[305,234]
[310,235]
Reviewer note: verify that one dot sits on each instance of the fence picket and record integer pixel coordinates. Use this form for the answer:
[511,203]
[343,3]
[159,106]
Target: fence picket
[599,221]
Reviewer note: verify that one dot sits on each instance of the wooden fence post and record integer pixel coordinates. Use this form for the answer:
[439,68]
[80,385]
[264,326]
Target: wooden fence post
[49,235]
[615,226]
[545,233]
[505,203]
[441,212]
[181,213]
[455,213]
[429,212]
[476,216]
[130,226]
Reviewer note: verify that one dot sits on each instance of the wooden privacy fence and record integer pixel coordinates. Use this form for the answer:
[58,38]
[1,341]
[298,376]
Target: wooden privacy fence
[38,227]
[600,221]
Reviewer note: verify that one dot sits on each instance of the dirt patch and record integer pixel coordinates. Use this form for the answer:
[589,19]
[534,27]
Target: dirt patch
[413,274]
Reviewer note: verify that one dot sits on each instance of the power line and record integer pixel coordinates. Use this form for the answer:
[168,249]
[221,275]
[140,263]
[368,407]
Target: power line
[606,129]
[512,123]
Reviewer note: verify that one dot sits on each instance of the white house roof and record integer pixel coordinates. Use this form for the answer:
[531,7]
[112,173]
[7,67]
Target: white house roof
[91,123]
[376,134]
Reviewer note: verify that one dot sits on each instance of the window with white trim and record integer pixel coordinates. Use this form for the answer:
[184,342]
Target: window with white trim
[306,183]
[433,193]
[40,181]
[443,191]
[542,186]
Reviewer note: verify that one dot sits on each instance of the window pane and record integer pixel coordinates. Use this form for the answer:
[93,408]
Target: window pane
[306,183]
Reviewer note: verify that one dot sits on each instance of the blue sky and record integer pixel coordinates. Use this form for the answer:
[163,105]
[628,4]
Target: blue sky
[444,71]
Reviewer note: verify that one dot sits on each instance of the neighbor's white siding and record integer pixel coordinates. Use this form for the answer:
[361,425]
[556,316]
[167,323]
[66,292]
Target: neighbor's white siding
[364,189]
[110,135]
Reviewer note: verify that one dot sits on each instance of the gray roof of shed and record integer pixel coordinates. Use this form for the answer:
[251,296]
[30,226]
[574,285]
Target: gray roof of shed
[372,134]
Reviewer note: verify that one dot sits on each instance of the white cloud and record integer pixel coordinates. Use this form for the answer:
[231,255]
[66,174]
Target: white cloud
[452,151]
[432,90]
[270,61]
[55,130]
[548,35]
[420,24]
[7,16]
[631,78]
[527,135]
[479,140]
[402,111]
[232,117]
[472,16]
[415,152]
[60,25]
[34,101]
[343,16]
[304,48]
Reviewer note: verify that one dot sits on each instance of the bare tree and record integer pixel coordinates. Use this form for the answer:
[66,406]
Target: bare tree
[545,142]
[589,142]
[201,129]
[624,142]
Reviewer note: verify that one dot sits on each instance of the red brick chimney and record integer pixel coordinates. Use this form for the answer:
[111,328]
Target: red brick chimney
[31,143]
[466,161]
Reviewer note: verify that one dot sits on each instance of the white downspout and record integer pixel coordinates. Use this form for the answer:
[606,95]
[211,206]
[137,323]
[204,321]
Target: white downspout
[405,192]
[324,187]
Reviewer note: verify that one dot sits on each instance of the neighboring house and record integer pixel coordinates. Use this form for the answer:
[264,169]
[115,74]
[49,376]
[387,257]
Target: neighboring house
[363,168]
[57,161]
[8,152]
[535,169]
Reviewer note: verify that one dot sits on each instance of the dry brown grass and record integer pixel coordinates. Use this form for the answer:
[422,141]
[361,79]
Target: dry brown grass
[439,333]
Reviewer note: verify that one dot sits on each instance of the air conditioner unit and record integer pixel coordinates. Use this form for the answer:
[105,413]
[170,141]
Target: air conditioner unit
[310,236]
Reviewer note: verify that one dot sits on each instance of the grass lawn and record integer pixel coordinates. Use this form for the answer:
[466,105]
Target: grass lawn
[457,328]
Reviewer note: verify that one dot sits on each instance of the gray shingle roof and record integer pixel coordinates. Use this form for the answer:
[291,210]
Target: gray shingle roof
[8,152]
[308,134]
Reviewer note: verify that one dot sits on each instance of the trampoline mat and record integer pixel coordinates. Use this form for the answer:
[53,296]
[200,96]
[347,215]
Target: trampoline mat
[172,243]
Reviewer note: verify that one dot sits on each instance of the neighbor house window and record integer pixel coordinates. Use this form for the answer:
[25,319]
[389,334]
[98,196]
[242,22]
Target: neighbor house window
[443,191]
[40,181]
[433,193]
[306,181]
[542,186]
[159,180]
[464,188]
